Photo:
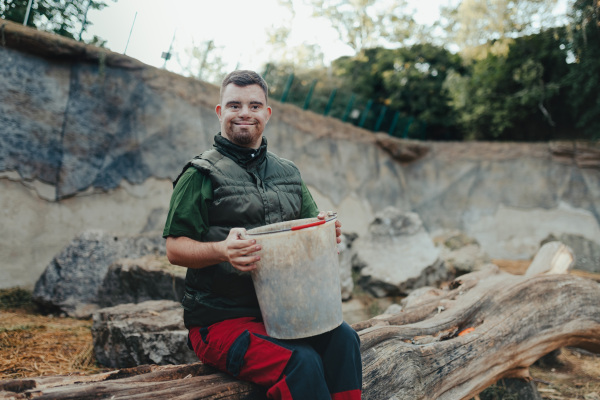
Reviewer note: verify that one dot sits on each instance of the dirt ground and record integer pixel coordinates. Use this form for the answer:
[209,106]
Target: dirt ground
[36,345]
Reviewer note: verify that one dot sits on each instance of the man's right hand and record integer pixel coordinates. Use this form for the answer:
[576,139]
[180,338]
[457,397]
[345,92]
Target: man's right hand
[241,252]
[236,249]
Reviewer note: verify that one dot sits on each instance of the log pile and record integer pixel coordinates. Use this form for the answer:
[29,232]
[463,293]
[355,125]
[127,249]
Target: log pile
[445,344]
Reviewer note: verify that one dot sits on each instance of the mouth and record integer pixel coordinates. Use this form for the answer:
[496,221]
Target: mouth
[244,123]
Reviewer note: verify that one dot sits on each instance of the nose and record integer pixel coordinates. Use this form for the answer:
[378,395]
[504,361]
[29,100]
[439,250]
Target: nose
[244,111]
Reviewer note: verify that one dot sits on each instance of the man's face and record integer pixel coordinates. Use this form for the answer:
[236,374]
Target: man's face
[243,114]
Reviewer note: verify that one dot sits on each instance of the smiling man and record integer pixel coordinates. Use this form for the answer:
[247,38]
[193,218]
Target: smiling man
[240,185]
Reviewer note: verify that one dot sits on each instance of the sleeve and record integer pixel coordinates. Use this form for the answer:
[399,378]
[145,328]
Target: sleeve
[309,207]
[188,210]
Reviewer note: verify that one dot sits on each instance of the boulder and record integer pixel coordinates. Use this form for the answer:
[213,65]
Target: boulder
[151,332]
[141,279]
[71,281]
[345,256]
[461,253]
[397,255]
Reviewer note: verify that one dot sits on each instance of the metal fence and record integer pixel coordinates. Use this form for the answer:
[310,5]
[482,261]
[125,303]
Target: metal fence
[346,106]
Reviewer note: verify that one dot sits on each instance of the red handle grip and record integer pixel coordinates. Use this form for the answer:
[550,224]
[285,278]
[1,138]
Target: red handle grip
[297,228]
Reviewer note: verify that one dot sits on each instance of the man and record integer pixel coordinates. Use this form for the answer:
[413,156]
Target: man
[239,185]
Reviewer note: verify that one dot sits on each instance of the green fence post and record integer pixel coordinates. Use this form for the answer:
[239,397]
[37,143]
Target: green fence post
[394,123]
[288,85]
[330,102]
[309,95]
[410,121]
[380,119]
[363,118]
[348,108]
[267,68]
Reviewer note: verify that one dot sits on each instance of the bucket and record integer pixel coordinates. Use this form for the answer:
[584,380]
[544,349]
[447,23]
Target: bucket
[297,279]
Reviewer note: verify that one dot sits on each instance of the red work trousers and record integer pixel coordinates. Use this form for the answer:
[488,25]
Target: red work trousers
[322,367]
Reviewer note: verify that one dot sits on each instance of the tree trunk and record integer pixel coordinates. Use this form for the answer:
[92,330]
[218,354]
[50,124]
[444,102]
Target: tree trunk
[445,344]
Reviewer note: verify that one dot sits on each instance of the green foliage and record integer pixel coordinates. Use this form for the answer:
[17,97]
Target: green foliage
[63,17]
[518,96]
[583,78]
[409,80]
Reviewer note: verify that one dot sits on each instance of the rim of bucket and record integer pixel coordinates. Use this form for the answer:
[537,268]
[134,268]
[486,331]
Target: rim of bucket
[297,227]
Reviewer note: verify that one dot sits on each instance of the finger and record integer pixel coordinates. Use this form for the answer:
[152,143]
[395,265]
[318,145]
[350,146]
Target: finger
[241,243]
[245,259]
[244,251]
[245,263]
[245,268]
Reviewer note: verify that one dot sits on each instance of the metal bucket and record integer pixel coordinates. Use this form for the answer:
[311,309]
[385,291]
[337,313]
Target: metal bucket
[297,279]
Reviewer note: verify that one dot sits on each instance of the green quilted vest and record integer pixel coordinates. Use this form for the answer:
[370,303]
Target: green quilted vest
[251,188]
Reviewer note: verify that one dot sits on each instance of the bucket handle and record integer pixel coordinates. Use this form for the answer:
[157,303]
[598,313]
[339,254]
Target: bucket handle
[299,227]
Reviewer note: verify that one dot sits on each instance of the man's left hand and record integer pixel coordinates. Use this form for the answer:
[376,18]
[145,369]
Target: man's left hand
[338,225]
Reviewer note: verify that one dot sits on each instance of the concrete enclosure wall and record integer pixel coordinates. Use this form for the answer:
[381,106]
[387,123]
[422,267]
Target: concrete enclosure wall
[92,139]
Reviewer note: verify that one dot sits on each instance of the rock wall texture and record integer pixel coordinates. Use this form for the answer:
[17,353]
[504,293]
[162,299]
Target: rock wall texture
[91,139]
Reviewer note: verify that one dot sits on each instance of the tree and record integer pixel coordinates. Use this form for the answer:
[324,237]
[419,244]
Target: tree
[66,18]
[409,80]
[204,62]
[478,26]
[583,78]
[517,96]
[362,24]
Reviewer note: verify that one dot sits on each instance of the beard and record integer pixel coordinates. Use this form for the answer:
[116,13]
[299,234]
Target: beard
[243,136]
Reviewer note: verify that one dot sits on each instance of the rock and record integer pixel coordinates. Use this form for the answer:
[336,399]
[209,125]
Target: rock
[461,253]
[151,332]
[397,255]
[141,279]
[587,252]
[71,281]
[403,150]
[345,256]
[354,310]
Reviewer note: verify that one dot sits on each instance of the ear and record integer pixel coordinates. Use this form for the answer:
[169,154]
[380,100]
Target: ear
[218,111]
[269,112]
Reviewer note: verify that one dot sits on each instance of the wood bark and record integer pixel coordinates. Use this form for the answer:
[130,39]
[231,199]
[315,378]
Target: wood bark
[446,344]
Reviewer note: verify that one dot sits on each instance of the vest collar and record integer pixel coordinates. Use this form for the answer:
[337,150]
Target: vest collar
[243,156]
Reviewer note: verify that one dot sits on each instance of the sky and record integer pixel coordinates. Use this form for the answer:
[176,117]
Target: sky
[144,29]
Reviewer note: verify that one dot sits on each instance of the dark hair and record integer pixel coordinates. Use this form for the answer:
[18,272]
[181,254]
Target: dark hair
[245,78]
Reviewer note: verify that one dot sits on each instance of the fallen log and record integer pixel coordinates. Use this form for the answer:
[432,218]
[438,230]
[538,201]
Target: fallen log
[446,344]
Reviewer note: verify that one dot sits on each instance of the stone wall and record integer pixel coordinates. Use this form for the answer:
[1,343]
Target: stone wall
[91,139]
